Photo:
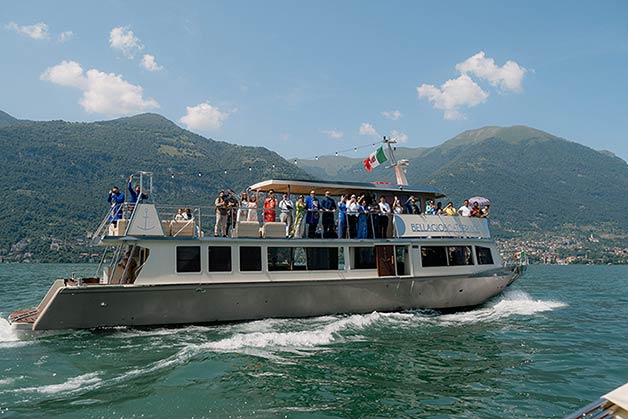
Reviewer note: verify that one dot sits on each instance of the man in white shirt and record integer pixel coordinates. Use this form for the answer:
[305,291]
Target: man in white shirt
[464,210]
[286,206]
[352,216]
[382,218]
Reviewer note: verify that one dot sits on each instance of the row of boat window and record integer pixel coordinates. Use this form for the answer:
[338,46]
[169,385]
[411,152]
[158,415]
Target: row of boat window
[322,258]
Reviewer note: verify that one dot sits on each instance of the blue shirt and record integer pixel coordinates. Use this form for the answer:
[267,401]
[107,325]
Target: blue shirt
[134,194]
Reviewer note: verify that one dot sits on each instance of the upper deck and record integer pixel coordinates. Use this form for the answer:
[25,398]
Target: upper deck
[244,220]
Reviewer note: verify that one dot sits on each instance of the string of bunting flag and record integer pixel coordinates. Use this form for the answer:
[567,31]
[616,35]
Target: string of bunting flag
[373,160]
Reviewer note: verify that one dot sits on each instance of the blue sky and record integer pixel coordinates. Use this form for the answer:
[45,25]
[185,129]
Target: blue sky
[308,79]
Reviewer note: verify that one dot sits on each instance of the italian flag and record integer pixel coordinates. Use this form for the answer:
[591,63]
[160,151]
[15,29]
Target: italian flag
[375,159]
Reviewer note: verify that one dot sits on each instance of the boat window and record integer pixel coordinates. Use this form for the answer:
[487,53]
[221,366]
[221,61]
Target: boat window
[280,258]
[364,258]
[401,256]
[188,259]
[219,259]
[322,258]
[484,255]
[299,258]
[433,256]
[250,258]
[459,255]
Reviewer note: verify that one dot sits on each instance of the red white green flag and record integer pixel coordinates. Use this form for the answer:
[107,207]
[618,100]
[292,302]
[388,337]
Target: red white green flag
[375,159]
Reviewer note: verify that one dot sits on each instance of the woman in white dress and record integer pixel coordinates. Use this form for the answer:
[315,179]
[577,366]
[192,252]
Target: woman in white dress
[242,210]
[252,208]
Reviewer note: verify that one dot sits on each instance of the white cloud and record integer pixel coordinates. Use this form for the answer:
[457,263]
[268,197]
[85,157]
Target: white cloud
[104,93]
[333,133]
[149,63]
[453,95]
[392,115]
[399,136]
[367,129]
[204,117]
[36,31]
[65,36]
[125,40]
[507,77]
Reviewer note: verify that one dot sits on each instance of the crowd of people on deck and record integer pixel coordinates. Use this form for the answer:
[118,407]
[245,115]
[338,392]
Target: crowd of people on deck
[352,216]
[358,216]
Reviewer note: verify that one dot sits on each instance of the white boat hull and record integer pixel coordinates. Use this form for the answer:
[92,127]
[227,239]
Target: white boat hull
[93,306]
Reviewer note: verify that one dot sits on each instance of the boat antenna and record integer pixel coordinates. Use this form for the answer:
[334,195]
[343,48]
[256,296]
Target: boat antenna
[400,166]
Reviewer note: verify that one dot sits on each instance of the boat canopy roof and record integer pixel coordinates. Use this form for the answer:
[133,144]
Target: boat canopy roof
[304,187]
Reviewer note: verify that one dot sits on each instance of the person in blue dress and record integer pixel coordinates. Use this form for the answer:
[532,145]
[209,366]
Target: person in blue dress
[362,220]
[116,199]
[342,217]
[328,208]
[311,218]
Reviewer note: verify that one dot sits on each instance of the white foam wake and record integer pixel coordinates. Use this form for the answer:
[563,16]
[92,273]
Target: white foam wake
[80,383]
[511,303]
[303,339]
[8,337]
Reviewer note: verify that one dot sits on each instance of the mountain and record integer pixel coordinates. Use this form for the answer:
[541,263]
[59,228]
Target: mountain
[55,175]
[535,180]
[6,119]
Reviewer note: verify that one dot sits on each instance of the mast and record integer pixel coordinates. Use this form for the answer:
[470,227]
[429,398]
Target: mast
[400,166]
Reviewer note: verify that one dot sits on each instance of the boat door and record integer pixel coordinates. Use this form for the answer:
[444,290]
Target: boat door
[385,260]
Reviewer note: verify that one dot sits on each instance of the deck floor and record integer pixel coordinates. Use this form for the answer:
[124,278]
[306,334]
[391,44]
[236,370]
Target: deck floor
[25,315]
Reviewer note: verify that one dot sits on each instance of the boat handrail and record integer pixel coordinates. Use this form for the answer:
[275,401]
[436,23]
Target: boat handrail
[378,224]
[599,409]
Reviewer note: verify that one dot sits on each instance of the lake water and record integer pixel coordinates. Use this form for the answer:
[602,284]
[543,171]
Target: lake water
[551,343]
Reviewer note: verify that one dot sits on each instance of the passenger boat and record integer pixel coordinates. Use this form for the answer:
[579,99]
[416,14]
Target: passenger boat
[164,272]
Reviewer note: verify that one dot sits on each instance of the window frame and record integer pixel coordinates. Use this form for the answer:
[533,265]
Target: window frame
[261,261]
[209,259]
[354,258]
[490,254]
[200,261]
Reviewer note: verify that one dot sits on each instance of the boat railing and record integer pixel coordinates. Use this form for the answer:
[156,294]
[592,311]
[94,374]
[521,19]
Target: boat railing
[201,221]
[599,409]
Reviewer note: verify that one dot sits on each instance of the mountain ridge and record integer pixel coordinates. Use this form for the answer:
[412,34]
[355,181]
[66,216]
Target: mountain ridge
[6,119]
[57,174]
[537,180]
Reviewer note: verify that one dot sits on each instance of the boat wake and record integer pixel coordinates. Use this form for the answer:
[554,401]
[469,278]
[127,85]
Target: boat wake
[511,303]
[8,337]
[278,340]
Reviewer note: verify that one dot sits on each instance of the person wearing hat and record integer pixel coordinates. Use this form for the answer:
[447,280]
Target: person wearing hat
[311,219]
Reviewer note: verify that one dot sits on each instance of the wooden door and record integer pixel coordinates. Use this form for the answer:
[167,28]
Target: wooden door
[385,260]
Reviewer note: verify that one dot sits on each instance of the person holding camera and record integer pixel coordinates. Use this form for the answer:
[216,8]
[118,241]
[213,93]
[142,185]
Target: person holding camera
[116,199]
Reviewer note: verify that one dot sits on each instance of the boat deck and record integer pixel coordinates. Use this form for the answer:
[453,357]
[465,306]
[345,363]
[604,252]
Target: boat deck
[25,315]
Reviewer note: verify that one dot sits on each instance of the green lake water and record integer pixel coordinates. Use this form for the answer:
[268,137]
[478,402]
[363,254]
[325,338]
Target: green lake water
[551,343]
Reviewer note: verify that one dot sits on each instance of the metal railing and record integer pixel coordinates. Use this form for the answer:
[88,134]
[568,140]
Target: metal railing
[599,409]
[200,221]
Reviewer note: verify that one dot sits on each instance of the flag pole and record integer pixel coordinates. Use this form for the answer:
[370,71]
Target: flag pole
[400,166]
